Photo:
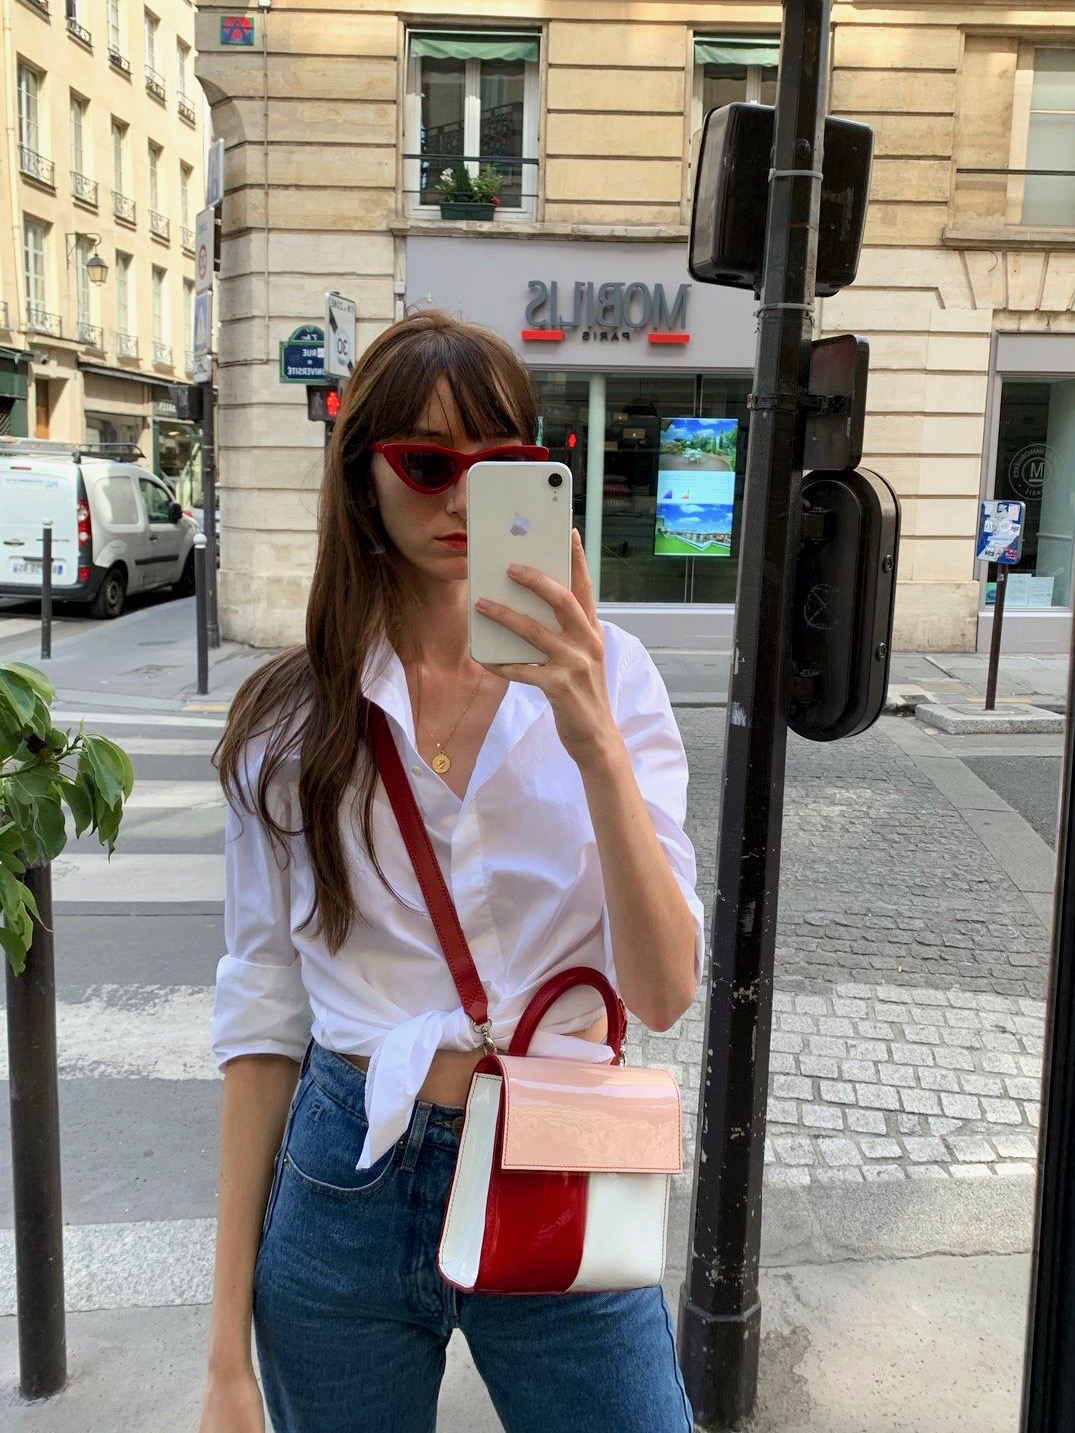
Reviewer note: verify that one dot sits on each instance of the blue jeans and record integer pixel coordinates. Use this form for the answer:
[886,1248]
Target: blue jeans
[352,1318]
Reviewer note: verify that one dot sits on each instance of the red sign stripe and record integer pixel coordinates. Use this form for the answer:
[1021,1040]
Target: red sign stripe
[542,335]
[669,337]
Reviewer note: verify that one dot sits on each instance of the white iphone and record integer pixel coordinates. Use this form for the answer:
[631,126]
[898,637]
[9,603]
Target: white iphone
[516,512]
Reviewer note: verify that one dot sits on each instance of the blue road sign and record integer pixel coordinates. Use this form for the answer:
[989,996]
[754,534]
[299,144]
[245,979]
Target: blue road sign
[302,356]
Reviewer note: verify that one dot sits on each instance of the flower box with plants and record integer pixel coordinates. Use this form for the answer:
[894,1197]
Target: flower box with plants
[469,196]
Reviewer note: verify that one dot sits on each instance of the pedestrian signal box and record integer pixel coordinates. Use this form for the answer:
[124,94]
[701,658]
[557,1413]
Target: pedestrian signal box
[842,604]
[322,403]
[189,401]
[731,198]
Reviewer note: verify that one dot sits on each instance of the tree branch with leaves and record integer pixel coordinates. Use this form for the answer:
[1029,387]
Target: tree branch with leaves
[42,771]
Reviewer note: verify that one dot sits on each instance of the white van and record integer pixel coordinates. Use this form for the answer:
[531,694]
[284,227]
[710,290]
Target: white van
[116,527]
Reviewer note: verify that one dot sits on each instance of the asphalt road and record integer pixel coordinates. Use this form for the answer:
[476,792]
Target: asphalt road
[1029,783]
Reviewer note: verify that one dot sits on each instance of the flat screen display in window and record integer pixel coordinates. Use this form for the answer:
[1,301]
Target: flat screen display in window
[696,487]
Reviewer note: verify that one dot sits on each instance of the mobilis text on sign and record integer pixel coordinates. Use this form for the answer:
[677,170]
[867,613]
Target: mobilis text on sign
[606,313]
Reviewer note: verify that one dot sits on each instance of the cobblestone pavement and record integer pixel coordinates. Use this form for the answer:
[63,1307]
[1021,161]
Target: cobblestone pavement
[910,974]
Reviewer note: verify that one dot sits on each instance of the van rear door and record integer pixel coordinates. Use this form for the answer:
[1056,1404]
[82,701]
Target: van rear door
[34,491]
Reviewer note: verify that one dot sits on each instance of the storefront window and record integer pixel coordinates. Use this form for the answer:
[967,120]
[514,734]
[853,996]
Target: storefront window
[1036,465]
[179,459]
[115,431]
[643,447]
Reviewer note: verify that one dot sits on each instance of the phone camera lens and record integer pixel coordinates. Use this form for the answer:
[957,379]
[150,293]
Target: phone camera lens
[556,480]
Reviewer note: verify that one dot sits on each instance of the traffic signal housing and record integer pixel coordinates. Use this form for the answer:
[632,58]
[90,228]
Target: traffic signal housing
[842,604]
[188,400]
[322,403]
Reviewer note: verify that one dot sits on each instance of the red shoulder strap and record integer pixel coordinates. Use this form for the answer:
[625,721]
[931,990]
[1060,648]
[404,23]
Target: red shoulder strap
[446,921]
[427,868]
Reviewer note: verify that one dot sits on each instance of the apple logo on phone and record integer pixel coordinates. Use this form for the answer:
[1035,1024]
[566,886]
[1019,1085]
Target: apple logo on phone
[521,526]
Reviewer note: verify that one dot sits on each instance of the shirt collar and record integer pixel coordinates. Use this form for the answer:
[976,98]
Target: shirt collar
[385,683]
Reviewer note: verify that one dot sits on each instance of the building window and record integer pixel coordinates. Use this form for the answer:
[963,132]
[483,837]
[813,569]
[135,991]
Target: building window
[740,68]
[160,306]
[79,152]
[84,289]
[155,152]
[185,176]
[152,25]
[30,137]
[115,28]
[1049,199]
[36,239]
[119,157]
[124,314]
[182,64]
[472,100]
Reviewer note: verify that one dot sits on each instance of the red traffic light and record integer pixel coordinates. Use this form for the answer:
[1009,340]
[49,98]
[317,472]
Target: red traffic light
[322,403]
[572,439]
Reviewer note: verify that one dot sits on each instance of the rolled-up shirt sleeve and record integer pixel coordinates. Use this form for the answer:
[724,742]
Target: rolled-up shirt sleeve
[644,715]
[261,1006]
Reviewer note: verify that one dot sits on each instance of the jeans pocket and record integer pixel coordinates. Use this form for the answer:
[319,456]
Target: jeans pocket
[323,1147]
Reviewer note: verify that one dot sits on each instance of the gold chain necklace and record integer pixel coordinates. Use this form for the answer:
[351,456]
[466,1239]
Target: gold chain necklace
[442,762]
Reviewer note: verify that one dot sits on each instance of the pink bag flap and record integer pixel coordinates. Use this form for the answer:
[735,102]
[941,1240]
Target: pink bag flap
[571,1116]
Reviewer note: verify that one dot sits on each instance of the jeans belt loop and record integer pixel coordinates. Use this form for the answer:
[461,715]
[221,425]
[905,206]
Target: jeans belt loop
[417,1135]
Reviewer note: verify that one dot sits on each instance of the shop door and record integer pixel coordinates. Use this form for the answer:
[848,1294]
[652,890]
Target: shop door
[42,397]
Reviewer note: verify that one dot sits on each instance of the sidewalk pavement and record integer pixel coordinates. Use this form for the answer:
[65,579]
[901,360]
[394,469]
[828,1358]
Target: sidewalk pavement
[148,662]
[903,1111]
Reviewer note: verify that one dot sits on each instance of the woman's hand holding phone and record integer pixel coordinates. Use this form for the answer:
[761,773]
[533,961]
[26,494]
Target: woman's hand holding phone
[573,674]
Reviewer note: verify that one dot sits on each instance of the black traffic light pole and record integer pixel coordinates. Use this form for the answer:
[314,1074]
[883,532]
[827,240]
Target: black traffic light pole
[720,1311]
[1049,1375]
[209,509]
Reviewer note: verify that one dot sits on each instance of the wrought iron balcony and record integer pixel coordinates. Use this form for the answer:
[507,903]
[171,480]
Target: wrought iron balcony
[124,208]
[162,354]
[160,225]
[126,345]
[42,5]
[36,166]
[79,32]
[90,335]
[187,111]
[155,84]
[119,62]
[85,190]
[38,320]
[186,238]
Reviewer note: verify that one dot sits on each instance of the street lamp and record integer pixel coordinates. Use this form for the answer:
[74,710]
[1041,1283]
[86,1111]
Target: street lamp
[96,268]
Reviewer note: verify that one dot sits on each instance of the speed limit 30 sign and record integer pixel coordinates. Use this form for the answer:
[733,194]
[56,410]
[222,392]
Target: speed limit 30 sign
[339,336]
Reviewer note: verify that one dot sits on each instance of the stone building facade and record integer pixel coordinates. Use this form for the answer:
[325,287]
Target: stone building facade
[338,122]
[101,176]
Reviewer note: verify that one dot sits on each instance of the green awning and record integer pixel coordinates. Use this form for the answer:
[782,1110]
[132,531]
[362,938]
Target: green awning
[441,45]
[737,52]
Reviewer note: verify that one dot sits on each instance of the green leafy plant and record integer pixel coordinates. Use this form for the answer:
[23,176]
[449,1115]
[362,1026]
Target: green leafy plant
[42,770]
[459,186]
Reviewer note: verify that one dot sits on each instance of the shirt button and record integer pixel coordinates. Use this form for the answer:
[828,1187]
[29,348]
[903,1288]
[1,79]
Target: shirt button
[416,771]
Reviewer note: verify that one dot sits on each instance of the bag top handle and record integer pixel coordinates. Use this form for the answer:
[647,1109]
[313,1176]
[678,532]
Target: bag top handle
[446,919]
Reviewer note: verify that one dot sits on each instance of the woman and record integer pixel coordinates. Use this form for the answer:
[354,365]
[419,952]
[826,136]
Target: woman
[554,797]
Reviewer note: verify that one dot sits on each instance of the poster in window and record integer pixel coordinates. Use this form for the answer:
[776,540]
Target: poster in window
[696,487]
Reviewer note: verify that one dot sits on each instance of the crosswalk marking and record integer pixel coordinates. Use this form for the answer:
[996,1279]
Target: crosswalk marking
[134,1032]
[174,795]
[150,1264]
[136,876]
[94,718]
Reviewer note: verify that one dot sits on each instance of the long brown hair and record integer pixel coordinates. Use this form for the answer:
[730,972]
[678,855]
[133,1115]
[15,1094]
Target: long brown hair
[308,700]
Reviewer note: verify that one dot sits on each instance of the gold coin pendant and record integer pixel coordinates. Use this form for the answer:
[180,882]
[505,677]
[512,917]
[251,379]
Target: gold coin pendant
[442,762]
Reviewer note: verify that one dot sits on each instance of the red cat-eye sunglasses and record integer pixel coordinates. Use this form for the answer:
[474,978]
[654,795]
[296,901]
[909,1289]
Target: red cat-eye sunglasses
[429,468]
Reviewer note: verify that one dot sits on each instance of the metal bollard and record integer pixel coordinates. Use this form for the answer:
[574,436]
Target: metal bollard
[46,592]
[201,612]
[35,1156]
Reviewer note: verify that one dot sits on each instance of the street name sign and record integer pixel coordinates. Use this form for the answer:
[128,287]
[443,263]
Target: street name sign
[302,356]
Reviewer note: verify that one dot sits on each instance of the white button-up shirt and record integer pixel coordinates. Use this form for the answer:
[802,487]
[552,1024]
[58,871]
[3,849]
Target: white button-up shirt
[520,858]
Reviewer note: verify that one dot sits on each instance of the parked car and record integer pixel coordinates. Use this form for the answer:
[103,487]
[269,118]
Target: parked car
[116,527]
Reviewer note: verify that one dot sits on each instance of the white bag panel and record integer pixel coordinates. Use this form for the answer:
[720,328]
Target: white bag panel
[459,1256]
[626,1222]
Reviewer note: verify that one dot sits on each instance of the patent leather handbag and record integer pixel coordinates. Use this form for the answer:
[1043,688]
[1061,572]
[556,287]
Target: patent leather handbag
[564,1167]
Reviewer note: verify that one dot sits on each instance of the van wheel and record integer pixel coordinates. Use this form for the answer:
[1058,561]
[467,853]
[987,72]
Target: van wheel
[109,600]
[185,586]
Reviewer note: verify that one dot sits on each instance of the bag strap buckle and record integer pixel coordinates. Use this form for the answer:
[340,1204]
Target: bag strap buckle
[484,1032]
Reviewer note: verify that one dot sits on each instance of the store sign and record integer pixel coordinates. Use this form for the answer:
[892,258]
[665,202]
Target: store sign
[1032,469]
[606,313]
